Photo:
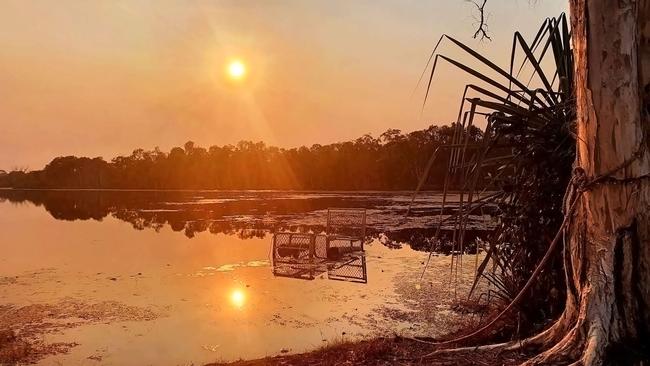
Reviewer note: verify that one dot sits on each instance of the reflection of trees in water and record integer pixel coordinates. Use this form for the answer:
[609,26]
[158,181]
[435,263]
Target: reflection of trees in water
[423,239]
[245,215]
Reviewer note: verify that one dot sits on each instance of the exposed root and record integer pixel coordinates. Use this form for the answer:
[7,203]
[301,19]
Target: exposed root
[489,347]
[594,349]
[551,335]
[540,340]
[577,363]
[564,333]
[568,349]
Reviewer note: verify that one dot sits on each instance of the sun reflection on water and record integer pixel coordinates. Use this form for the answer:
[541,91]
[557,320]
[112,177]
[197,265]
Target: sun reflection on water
[238,298]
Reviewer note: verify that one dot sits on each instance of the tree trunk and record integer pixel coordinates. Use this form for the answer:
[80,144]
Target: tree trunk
[607,315]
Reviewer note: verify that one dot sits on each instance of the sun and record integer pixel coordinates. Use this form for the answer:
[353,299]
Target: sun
[236,70]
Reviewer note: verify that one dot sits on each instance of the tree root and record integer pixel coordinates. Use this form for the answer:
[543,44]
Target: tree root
[562,342]
[489,347]
[567,349]
[550,336]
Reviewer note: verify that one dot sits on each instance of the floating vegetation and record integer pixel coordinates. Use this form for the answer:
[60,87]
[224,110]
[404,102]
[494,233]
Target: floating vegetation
[24,328]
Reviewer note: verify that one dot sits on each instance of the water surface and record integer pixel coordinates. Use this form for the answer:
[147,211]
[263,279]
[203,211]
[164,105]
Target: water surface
[175,278]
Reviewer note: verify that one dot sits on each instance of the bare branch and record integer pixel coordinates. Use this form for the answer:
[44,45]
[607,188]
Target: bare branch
[482,28]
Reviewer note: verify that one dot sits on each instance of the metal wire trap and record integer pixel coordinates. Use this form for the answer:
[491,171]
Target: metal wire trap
[339,252]
[346,227]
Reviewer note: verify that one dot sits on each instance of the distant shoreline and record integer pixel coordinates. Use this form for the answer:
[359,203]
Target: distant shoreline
[228,190]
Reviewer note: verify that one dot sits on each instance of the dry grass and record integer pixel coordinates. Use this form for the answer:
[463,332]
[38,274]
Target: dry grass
[381,352]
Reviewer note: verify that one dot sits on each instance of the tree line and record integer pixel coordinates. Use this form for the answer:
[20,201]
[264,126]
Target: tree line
[394,160]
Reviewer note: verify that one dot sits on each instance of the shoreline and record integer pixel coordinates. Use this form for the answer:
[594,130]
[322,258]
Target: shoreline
[370,191]
[382,351]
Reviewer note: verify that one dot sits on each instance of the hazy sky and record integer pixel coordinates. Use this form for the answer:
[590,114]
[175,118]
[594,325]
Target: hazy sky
[100,78]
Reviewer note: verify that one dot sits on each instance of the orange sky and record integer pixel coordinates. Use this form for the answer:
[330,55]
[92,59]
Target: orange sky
[100,78]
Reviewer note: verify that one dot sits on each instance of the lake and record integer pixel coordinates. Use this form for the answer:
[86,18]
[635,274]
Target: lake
[186,277]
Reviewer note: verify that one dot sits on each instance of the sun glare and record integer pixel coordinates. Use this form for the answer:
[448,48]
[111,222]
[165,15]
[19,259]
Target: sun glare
[238,298]
[236,70]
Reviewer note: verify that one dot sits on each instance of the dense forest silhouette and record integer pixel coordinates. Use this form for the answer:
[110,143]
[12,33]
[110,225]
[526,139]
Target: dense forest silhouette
[392,161]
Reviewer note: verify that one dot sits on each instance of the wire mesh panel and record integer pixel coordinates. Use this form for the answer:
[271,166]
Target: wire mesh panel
[346,228]
[350,268]
[295,255]
[346,222]
[320,246]
[345,242]
[303,271]
[293,247]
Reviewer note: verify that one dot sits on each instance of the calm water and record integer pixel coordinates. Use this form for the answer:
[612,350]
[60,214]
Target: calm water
[177,278]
